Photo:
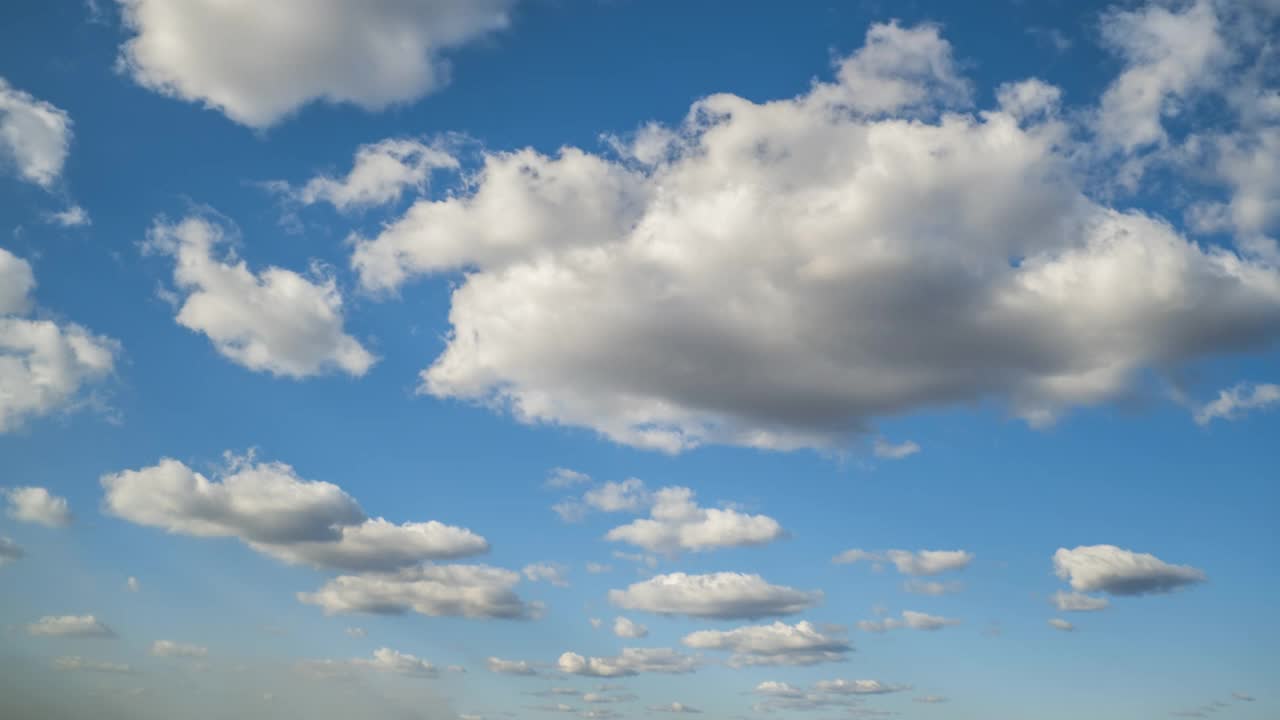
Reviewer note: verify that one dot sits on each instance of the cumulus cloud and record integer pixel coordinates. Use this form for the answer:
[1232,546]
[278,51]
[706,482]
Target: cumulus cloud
[70,626]
[922,587]
[380,174]
[44,365]
[910,619]
[632,661]
[920,562]
[675,707]
[628,495]
[37,505]
[546,572]
[258,63]
[1237,400]
[886,450]
[35,136]
[275,321]
[677,523]
[393,661]
[1116,571]
[169,648]
[269,507]
[810,266]
[1079,602]
[627,628]
[510,667]
[722,595]
[1060,624]
[473,591]
[9,551]
[775,644]
[77,663]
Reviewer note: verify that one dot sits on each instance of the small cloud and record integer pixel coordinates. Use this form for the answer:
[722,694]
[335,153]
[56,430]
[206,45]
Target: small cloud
[132,584]
[74,216]
[562,477]
[886,450]
[356,632]
[1060,624]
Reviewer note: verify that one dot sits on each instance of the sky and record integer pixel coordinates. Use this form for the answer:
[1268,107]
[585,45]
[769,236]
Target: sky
[618,359]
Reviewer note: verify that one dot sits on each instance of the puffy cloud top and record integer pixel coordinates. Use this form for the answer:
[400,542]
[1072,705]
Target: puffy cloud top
[1117,571]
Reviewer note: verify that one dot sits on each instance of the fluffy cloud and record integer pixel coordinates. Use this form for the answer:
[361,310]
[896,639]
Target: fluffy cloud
[627,628]
[70,626]
[37,505]
[910,619]
[280,514]
[9,551]
[258,63]
[1060,624]
[1117,571]
[677,523]
[723,595]
[473,591]
[169,648]
[628,495]
[44,365]
[393,661]
[274,321]
[920,562]
[546,572]
[380,174]
[1079,602]
[77,663]
[510,667]
[776,644]
[35,136]
[632,661]
[1234,401]
[812,265]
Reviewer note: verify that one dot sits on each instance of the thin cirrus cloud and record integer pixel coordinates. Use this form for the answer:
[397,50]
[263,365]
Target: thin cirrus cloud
[10,551]
[267,506]
[37,505]
[910,619]
[723,595]
[259,63]
[45,366]
[1116,571]
[907,562]
[1237,400]
[775,644]
[815,318]
[275,321]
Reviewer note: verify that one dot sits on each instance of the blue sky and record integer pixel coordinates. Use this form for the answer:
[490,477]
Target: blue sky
[373,359]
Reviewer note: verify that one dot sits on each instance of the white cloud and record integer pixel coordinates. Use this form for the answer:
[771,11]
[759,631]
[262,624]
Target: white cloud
[858,687]
[70,626]
[274,321]
[546,572]
[473,591]
[1060,624]
[380,174]
[910,619]
[258,63]
[132,584]
[393,661]
[1234,401]
[1117,571]
[77,663]
[922,587]
[44,365]
[632,661]
[886,450]
[74,216]
[775,644]
[37,505]
[9,551]
[723,595]
[35,136]
[627,628]
[677,523]
[269,507]
[824,694]
[169,648]
[356,632]
[1079,602]
[809,270]
[563,477]
[675,707]
[510,667]
[919,562]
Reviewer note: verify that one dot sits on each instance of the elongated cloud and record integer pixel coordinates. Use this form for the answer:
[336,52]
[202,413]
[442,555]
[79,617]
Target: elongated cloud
[1117,571]
[275,321]
[270,508]
[37,505]
[258,63]
[919,562]
[70,626]
[632,661]
[677,523]
[380,173]
[722,595]
[775,644]
[472,591]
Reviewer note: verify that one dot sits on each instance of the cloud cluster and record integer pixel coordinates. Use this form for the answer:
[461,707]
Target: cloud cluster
[472,591]
[257,63]
[723,595]
[35,136]
[676,523]
[269,507]
[276,321]
[824,694]
[380,174]
[632,661]
[44,365]
[794,293]
[1116,571]
[775,644]
[37,505]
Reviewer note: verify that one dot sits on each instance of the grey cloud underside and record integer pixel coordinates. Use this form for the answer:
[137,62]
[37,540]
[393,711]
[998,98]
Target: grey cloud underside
[1117,571]
[473,591]
[785,274]
[723,595]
